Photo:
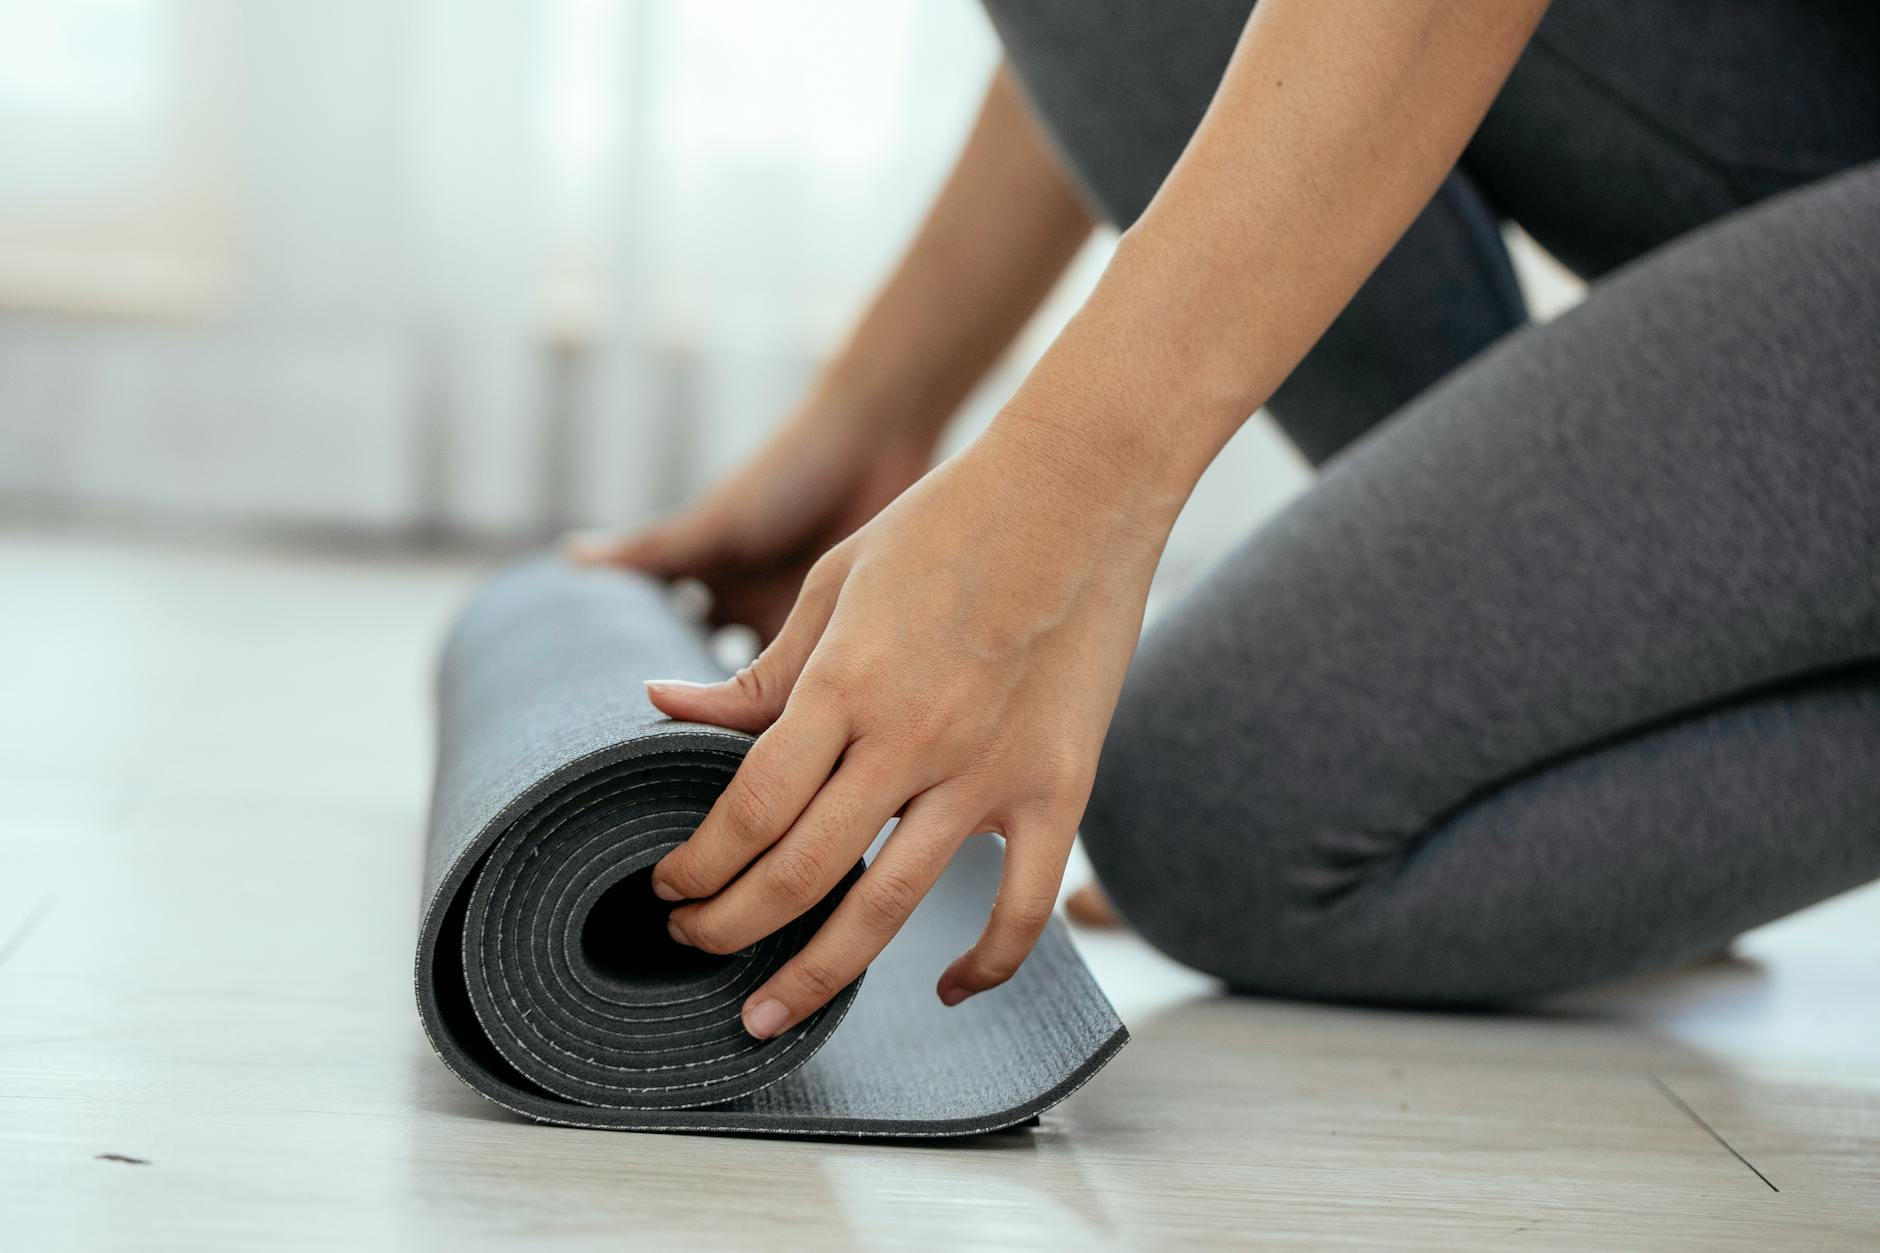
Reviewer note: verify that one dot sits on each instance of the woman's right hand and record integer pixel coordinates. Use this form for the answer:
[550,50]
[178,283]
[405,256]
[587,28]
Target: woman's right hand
[753,537]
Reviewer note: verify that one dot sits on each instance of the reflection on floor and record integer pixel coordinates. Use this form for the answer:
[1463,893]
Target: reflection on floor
[212,776]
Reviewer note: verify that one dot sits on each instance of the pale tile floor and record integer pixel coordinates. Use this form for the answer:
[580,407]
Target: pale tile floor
[213,765]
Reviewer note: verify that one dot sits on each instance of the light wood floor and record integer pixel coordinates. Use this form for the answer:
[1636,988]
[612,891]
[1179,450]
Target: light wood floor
[213,765]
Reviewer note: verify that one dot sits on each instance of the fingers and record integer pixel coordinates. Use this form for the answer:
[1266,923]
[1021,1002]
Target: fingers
[870,915]
[1034,866]
[666,550]
[755,696]
[799,745]
[799,869]
[774,783]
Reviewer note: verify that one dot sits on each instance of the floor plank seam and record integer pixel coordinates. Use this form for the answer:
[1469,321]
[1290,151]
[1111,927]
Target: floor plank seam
[23,932]
[1678,1102]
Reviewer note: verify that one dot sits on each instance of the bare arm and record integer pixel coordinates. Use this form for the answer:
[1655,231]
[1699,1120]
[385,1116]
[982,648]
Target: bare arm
[958,660]
[998,236]
[1333,127]
[1001,231]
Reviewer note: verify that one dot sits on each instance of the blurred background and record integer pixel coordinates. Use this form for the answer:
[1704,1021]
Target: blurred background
[418,271]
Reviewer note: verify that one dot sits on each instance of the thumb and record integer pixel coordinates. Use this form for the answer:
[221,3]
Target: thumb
[754,697]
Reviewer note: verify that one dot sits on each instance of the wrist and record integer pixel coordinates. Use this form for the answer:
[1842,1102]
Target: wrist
[1083,456]
[1112,411]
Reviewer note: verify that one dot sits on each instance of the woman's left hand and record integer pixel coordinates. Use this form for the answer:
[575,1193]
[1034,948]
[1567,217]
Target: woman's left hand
[955,662]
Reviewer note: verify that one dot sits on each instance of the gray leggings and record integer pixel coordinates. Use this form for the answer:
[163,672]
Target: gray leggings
[1568,665]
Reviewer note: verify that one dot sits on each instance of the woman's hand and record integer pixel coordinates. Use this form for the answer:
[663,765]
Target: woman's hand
[956,662]
[1004,227]
[753,538]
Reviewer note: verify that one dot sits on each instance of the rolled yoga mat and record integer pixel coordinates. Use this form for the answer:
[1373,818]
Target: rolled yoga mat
[545,977]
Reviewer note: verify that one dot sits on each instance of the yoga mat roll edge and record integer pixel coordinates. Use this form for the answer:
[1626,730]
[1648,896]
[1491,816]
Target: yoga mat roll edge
[545,979]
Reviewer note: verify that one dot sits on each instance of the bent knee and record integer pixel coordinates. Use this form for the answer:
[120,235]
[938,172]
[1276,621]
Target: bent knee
[1299,905]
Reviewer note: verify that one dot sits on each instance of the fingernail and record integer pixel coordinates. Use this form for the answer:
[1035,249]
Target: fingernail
[676,931]
[765,1019]
[673,685]
[951,996]
[666,893]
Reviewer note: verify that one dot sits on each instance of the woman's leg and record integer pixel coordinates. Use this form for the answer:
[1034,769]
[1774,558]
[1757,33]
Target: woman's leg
[1568,671]
[1122,84]
[1628,123]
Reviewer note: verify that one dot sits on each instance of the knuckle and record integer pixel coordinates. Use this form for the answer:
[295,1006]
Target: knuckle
[706,932]
[824,685]
[825,574]
[816,979]
[1027,915]
[884,898]
[748,806]
[678,872]
[793,876]
[992,969]
[1042,821]
[927,724]
[754,684]
[1061,776]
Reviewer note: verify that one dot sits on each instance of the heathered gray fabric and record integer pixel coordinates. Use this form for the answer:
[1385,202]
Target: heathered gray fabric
[1570,667]
[1625,124]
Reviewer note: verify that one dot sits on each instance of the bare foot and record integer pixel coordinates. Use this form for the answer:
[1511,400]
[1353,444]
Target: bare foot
[1088,906]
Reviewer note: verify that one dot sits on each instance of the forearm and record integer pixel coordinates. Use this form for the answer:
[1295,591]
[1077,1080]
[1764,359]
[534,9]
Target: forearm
[999,235]
[1335,123]
[956,662]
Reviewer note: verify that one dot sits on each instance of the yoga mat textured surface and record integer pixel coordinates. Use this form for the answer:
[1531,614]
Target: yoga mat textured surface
[545,977]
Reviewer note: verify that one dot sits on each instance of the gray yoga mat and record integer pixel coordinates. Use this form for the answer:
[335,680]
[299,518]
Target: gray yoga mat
[545,979]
